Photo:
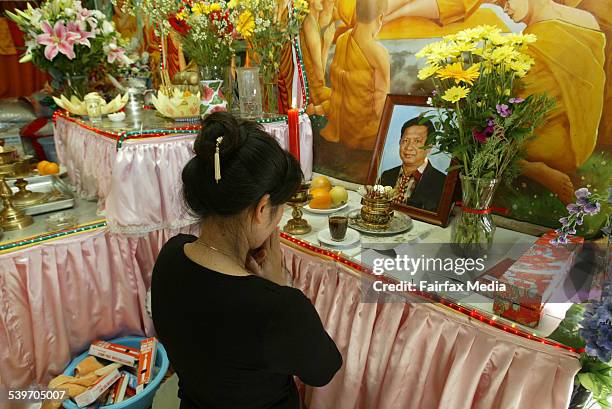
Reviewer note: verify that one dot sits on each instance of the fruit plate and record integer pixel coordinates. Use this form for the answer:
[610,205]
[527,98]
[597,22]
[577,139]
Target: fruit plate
[325,211]
[399,224]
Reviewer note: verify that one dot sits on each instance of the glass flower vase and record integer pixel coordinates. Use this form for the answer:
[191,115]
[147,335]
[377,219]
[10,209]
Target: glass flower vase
[249,91]
[473,229]
[269,85]
[581,398]
[212,96]
[75,85]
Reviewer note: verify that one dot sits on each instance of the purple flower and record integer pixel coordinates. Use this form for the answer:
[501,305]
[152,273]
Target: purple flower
[596,329]
[573,208]
[490,122]
[503,110]
[481,137]
[564,221]
[582,193]
[434,93]
[592,208]
[579,221]
[583,201]
[516,100]
[560,239]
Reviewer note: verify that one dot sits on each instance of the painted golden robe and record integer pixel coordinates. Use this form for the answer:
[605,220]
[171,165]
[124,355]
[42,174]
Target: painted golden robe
[569,63]
[357,97]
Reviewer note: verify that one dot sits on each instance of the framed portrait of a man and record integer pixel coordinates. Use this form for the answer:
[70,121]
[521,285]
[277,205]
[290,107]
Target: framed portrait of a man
[424,188]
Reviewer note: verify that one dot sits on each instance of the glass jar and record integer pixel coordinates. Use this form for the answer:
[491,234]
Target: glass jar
[93,103]
[249,90]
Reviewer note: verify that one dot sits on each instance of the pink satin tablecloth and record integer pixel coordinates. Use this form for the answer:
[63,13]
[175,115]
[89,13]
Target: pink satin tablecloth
[57,297]
[139,185]
[407,355]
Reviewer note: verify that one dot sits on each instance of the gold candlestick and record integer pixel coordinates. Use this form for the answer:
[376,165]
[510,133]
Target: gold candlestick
[11,218]
[24,197]
[297,225]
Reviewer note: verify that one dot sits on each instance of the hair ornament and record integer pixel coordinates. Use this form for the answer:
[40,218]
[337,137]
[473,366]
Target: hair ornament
[218,160]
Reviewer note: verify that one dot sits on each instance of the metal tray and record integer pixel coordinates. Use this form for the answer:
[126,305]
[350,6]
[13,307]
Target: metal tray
[61,195]
[399,224]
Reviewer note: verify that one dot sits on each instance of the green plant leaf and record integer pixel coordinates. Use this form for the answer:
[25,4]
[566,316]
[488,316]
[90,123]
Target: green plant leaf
[589,381]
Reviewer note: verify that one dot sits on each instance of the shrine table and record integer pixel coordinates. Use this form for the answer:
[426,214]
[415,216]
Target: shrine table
[134,167]
[59,293]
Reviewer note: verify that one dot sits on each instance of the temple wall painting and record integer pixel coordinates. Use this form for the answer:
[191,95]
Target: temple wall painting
[356,52]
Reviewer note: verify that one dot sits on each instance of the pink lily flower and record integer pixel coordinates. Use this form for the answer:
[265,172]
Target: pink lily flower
[84,14]
[57,40]
[115,53]
[83,35]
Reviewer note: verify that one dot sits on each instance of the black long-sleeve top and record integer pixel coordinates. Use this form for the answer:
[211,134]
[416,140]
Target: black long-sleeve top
[235,342]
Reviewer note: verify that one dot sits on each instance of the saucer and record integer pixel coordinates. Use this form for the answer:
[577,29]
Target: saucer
[325,211]
[352,237]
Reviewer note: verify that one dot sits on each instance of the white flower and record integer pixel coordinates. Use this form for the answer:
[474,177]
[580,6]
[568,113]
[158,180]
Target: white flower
[107,27]
[430,101]
[35,18]
[98,14]
[69,12]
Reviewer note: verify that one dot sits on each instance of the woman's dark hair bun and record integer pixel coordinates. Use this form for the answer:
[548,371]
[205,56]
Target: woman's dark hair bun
[252,164]
[219,124]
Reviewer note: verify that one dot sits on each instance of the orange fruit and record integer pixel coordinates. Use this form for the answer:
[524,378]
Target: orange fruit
[320,182]
[51,168]
[41,165]
[321,198]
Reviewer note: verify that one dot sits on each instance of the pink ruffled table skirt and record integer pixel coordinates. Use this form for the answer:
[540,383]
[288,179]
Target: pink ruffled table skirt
[57,297]
[139,183]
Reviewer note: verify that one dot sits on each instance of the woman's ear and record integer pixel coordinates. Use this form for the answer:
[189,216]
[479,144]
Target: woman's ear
[260,214]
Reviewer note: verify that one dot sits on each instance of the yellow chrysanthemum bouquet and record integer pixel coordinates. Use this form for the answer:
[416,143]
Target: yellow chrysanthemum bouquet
[483,122]
[268,26]
[207,33]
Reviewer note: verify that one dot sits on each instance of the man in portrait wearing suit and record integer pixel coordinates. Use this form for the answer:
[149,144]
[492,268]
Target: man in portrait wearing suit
[417,183]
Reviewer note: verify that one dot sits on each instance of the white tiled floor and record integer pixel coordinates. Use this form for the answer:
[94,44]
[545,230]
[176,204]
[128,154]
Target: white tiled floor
[167,395]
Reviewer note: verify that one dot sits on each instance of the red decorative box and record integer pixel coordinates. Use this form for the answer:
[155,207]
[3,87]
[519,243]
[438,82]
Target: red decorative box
[533,278]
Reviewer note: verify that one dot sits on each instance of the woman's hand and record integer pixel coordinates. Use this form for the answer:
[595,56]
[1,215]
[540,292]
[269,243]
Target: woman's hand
[266,261]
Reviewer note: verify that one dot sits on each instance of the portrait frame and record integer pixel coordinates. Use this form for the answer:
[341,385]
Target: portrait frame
[439,217]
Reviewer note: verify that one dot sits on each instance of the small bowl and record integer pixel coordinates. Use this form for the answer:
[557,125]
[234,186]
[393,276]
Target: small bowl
[117,116]
[61,221]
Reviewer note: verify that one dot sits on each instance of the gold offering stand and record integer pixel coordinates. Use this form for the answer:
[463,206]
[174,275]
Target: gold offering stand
[376,213]
[297,225]
[11,217]
[24,198]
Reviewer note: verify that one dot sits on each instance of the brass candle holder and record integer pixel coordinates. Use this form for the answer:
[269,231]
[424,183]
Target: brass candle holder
[11,217]
[297,225]
[24,197]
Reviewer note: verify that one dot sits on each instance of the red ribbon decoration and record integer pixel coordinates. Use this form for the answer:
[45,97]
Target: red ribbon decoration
[488,210]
